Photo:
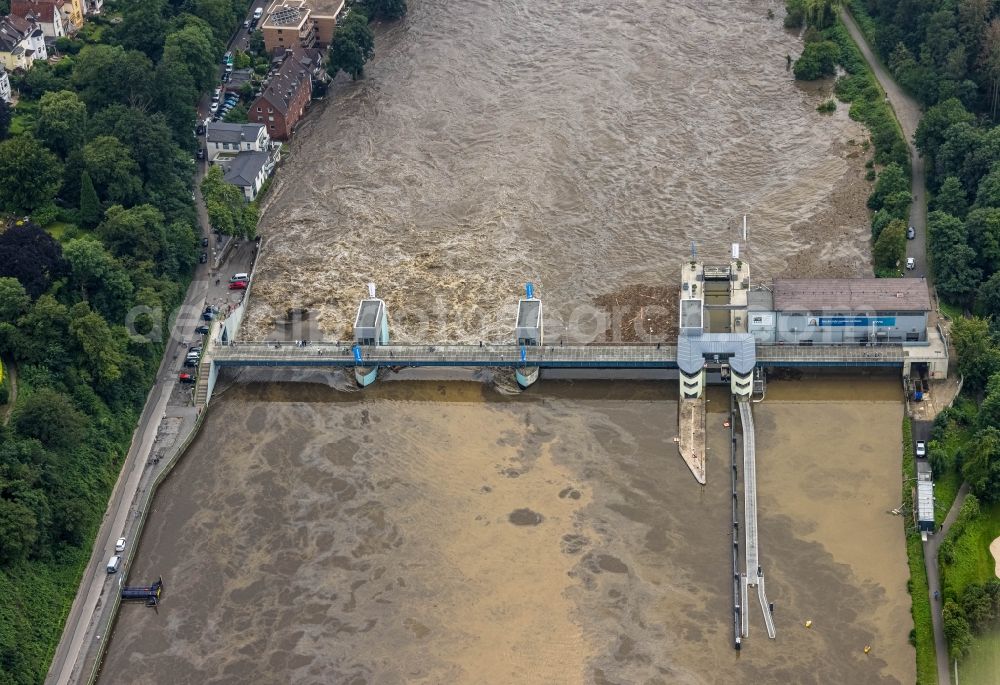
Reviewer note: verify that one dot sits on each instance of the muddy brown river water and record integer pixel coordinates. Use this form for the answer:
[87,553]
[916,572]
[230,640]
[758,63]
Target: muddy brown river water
[580,145]
[442,532]
[452,532]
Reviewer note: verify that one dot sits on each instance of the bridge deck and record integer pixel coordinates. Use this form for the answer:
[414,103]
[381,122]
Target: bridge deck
[624,355]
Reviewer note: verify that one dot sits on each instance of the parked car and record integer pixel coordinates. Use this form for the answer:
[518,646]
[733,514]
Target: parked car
[204,242]
[201,330]
[226,76]
[120,545]
[114,563]
[910,263]
[241,276]
[191,363]
[911,233]
[238,285]
[208,315]
[246,24]
[199,130]
[921,449]
[185,377]
[201,152]
[227,58]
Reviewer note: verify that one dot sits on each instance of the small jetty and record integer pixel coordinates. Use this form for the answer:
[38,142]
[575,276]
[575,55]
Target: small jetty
[691,445]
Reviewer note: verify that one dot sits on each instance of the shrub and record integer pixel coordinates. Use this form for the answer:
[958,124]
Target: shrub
[827,107]
[818,59]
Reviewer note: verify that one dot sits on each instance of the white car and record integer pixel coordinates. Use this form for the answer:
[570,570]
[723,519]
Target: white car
[921,449]
[120,545]
[910,263]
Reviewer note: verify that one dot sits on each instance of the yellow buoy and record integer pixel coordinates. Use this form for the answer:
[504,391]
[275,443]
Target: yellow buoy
[868,648]
[809,624]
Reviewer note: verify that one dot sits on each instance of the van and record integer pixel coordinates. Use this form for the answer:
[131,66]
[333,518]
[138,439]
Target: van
[240,277]
[258,13]
[114,563]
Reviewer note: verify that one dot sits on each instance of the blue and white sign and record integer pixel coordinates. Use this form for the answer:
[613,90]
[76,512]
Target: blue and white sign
[852,321]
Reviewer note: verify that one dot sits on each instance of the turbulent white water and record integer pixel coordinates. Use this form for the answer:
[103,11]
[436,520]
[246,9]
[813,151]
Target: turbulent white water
[579,145]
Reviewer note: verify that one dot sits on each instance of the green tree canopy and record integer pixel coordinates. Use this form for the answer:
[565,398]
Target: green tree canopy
[981,464]
[977,357]
[983,229]
[951,198]
[890,248]
[892,180]
[14,299]
[113,170]
[930,132]
[136,233]
[818,59]
[62,121]
[387,10]
[51,418]
[104,75]
[5,118]
[32,256]
[90,204]
[352,46]
[29,175]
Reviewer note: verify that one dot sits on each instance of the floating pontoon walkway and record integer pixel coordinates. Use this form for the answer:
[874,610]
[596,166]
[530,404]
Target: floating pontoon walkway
[754,572]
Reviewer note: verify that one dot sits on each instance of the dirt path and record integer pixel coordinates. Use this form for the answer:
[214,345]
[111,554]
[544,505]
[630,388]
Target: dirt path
[908,113]
[11,371]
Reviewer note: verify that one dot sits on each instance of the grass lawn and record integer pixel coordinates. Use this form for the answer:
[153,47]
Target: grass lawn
[982,665]
[21,123]
[58,229]
[946,487]
[971,560]
[950,310]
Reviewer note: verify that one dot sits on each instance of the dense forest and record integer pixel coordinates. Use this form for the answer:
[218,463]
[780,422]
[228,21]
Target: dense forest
[96,172]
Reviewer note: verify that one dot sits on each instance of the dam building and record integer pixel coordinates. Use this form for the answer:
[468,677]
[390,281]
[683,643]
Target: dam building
[840,311]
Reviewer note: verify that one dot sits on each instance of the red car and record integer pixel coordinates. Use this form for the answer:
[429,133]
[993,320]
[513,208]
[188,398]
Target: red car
[185,378]
[238,285]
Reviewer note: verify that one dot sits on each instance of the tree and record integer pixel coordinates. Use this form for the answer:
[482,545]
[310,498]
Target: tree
[930,133]
[956,629]
[148,138]
[956,278]
[103,350]
[388,10]
[981,464]
[51,418]
[892,180]
[62,122]
[978,359]
[192,46]
[983,229]
[237,115]
[818,59]
[90,205]
[136,233]
[950,198]
[821,13]
[14,299]
[143,28]
[113,170]
[29,175]
[228,211]
[988,298]
[32,256]
[352,46]
[4,119]
[890,248]
[105,74]
[978,606]
[18,530]
[988,192]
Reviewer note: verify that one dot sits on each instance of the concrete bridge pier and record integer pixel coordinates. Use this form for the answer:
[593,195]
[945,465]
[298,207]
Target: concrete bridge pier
[371,328]
[529,332]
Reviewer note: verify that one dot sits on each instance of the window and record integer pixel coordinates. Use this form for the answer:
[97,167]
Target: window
[258,109]
[270,118]
[270,111]
[271,126]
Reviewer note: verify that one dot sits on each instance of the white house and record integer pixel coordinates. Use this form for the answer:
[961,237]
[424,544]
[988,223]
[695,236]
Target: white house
[248,171]
[225,141]
[47,14]
[22,42]
[4,85]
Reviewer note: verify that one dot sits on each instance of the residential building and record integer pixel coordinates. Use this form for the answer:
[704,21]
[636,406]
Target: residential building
[284,101]
[224,141]
[46,13]
[5,92]
[302,23]
[248,171]
[74,9]
[92,6]
[22,42]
